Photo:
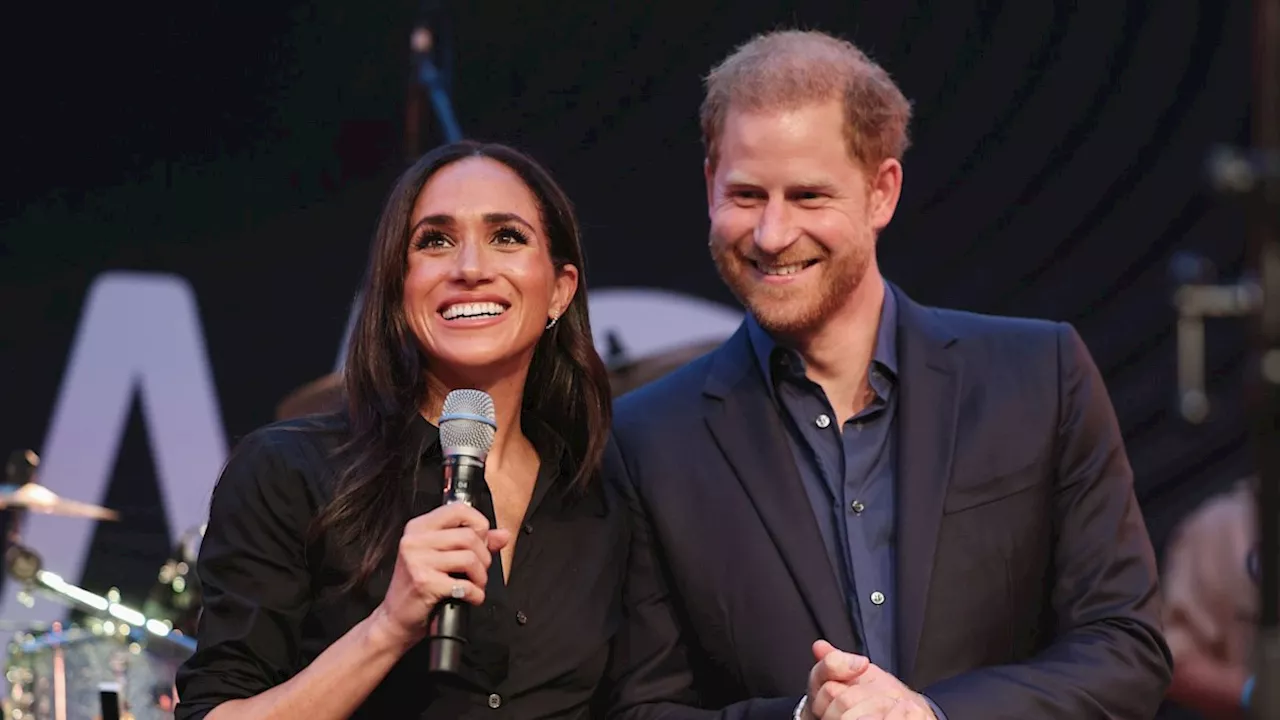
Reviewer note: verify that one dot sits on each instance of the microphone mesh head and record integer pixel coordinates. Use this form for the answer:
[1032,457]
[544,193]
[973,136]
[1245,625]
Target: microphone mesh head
[467,423]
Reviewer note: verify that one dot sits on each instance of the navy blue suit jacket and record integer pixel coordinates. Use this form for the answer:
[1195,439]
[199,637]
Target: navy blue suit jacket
[1026,582]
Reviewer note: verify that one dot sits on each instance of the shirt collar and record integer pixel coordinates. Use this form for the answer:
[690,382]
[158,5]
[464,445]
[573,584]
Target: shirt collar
[550,446]
[769,352]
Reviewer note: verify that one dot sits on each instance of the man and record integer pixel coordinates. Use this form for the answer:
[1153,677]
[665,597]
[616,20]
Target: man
[934,506]
[1211,603]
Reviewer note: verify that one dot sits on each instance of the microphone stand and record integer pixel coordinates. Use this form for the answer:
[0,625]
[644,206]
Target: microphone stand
[435,81]
[424,44]
[1254,175]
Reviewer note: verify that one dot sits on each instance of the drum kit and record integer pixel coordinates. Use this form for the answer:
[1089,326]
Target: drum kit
[116,662]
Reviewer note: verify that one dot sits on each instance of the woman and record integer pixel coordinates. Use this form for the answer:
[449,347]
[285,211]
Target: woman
[328,546]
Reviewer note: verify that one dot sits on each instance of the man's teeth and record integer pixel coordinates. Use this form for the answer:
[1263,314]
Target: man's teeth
[781,269]
[483,309]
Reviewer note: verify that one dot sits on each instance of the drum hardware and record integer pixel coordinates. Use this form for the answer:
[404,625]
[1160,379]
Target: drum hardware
[22,493]
[51,671]
[111,614]
[59,670]
[177,596]
[60,673]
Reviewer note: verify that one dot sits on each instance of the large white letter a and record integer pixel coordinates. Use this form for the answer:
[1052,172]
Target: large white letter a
[137,331]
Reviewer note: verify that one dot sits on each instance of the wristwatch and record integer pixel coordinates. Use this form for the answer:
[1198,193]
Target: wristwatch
[798,713]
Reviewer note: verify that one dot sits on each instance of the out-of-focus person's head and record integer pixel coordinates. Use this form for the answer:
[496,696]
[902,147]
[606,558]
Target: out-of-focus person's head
[474,281]
[804,138]
[1209,588]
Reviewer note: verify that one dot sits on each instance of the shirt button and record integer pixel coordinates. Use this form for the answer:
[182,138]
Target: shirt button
[877,598]
[495,701]
[857,507]
[521,618]
[822,421]
[528,529]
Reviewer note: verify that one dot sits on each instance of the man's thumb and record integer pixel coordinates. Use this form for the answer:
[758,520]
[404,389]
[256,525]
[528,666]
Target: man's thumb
[821,649]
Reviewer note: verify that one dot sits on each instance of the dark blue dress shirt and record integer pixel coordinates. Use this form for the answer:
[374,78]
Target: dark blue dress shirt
[849,476]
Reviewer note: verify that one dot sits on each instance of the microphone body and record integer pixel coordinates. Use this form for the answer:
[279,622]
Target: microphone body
[467,428]
[463,476]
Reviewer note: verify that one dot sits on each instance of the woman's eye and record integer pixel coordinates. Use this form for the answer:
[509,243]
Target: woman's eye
[432,239]
[510,236]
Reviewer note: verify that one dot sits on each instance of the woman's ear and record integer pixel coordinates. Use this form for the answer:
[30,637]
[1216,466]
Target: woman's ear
[566,288]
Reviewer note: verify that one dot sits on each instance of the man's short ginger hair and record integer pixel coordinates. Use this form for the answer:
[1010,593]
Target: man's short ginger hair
[793,68]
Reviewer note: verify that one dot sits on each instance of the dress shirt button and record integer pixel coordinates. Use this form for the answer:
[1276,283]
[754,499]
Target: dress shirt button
[857,507]
[527,528]
[521,618]
[822,421]
[495,701]
[877,598]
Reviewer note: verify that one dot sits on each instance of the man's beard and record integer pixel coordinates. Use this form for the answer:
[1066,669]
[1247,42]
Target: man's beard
[787,311]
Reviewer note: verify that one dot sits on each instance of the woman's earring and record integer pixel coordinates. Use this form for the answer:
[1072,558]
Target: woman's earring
[552,324]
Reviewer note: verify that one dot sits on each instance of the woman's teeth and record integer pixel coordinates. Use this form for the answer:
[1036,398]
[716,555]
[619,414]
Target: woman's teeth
[466,310]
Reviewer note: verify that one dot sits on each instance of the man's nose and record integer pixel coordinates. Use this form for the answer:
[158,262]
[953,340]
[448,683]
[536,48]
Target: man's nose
[774,231]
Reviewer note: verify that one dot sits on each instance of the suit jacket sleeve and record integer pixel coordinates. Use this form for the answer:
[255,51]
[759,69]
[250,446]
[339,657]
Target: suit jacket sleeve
[651,675]
[1108,659]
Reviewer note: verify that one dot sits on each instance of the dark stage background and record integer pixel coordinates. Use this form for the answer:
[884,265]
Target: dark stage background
[1057,166]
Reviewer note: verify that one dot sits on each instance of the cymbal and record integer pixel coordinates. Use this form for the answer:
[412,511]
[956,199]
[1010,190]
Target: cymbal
[324,394]
[627,374]
[38,498]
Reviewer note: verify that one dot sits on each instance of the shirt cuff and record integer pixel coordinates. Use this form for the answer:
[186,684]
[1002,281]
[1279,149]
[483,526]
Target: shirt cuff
[936,710]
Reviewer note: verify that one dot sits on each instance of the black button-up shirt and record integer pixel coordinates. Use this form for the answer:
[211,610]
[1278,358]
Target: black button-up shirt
[538,646]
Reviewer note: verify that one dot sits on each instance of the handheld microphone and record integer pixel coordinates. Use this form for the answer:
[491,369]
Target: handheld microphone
[467,427]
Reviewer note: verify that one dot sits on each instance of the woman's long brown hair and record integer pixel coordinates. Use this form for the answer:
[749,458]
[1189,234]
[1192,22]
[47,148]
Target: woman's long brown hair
[385,375]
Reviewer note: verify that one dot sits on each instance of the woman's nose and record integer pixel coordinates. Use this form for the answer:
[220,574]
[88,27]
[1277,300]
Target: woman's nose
[471,263]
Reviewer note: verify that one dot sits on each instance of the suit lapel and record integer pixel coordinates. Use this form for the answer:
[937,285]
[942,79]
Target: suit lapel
[747,427]
[930,381]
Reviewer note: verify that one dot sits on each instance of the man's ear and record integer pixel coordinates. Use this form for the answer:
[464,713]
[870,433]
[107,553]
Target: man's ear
[884,191]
